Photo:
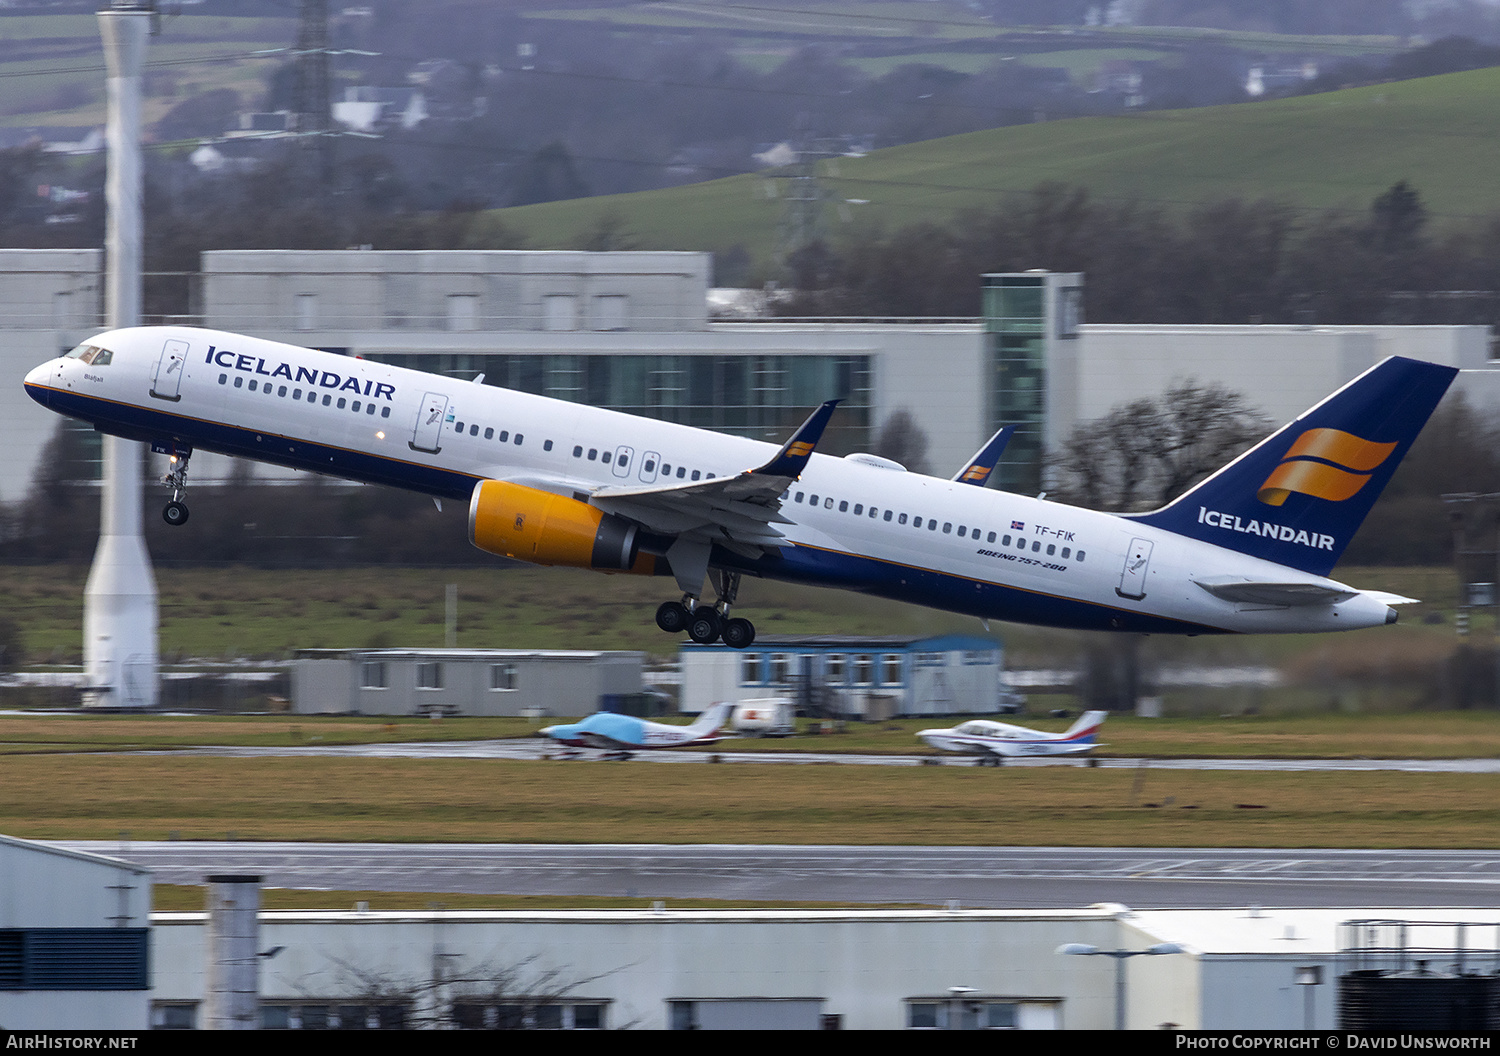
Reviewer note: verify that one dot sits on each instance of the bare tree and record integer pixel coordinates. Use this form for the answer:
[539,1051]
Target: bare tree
[902,440]
[1144,453]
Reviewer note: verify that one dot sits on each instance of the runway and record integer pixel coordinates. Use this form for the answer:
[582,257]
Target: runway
[992,877]
[538,748]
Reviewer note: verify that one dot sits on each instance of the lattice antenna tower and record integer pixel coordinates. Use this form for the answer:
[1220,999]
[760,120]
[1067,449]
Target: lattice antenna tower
[803,194]
[314,119]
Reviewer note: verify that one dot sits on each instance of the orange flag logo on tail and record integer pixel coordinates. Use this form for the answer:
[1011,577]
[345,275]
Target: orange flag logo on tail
[1326,464]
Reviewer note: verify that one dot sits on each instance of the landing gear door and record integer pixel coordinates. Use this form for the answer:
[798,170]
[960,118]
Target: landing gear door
[166,379]
[428,434]
[1137,563]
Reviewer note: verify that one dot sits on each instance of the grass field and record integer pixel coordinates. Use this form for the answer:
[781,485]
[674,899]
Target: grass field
[380,800]
[242,612]
[1339,149]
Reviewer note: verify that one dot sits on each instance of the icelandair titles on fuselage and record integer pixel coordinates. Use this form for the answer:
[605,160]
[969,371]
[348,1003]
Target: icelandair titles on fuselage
[1264,529]
[323,379]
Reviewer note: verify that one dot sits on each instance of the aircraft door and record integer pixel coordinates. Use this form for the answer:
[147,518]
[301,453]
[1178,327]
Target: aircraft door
[428,434]
[1137,563]
[650,463]
[622,461]
[166,379]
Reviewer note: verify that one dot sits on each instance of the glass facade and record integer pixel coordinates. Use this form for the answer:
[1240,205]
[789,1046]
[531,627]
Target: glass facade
[758,396]
[1016,344]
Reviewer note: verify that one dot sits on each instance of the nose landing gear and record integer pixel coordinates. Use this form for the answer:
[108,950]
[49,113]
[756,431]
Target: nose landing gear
[175,512]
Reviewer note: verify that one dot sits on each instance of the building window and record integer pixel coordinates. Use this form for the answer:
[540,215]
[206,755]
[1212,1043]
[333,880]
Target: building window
[750,669]
[372,675]
[834,670]
[473,1014]
[430,675]
[932,1014]
[781,668]
[333,1014]
[560,312]
[890,674]
[307,311]
[610,313]
[463,312]
[503,676]
[864,670]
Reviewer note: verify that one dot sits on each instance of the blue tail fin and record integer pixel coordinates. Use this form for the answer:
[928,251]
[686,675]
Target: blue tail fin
[1298,497]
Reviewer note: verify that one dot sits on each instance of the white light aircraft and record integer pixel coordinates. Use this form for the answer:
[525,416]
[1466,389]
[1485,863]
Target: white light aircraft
[557,483]
[993,741]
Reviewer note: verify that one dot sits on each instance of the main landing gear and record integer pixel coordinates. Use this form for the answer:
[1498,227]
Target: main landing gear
[708,623]
[175,512]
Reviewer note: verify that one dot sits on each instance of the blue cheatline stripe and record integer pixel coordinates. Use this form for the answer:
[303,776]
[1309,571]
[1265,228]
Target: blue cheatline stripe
[942,590]
[796,564]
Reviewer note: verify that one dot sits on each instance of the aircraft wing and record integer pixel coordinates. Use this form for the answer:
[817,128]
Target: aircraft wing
[1291,595]
[738,512]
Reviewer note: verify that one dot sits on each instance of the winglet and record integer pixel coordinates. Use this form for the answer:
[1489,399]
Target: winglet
[791,460]
[978,469]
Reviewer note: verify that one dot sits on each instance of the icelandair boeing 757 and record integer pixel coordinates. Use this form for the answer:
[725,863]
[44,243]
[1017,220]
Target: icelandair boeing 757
[557,483]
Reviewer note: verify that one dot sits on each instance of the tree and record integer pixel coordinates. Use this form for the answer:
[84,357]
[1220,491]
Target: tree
[1145,453]
[902,440]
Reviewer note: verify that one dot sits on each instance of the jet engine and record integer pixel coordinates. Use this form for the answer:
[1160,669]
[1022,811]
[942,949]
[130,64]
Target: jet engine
[546,529]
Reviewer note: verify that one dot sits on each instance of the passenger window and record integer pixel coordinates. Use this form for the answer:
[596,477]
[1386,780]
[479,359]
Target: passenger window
[385,412]
[504,435]
[459,428]
[696,474]
[1035,547]
[799,496]
[474,430]
[1066,551]
[281,391]
[223,379]
[828,503]
[650,466]
[489,432]
[1003,542]
[252,384]
[990,538]
[932,525]
[327,400]
[239,382]
[1080,555]
[1051,549]
[624,459]
[813,501]
[340,404]
[901,519]
[947,527]
[605,458]
[858,508]
[547,445]
[370,409]
[887,514]
[312,397]
[916,522]
[355,406]
[593,454]
[961,531]
[519,438]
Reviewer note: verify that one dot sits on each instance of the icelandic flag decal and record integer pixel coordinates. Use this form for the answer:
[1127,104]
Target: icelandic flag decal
[1017,526]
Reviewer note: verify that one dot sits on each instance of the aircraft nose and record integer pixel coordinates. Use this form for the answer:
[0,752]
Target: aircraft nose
[36,383]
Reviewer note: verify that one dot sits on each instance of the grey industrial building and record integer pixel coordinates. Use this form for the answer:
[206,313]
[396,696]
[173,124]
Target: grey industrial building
[461,681]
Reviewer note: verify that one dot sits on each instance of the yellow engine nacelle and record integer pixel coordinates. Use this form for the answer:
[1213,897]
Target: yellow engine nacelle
[546,529]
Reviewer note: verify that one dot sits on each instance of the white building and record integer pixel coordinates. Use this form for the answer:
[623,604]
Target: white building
[1239,969]
[74,940]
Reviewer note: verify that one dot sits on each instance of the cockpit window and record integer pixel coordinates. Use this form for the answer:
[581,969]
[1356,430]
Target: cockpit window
[92,355]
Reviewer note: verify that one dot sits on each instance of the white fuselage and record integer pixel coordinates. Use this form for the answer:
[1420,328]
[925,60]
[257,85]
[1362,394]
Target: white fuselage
[862,527]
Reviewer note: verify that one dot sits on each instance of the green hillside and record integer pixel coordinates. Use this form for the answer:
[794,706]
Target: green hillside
[1442,134]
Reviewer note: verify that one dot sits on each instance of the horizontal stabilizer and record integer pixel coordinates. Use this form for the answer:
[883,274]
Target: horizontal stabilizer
[1292,595]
